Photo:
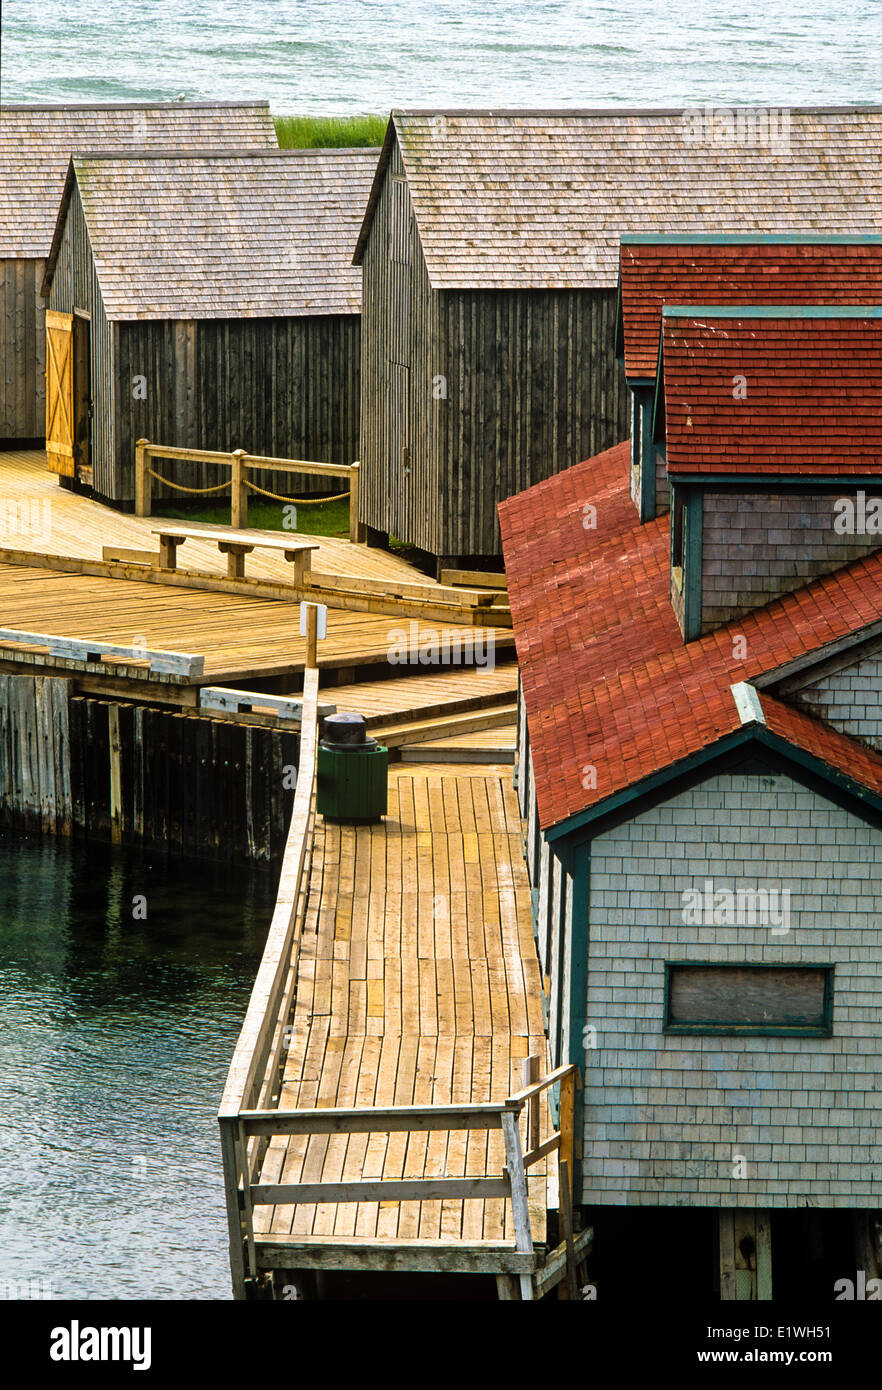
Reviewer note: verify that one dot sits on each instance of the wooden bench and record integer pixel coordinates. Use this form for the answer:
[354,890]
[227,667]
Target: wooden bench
[235,545]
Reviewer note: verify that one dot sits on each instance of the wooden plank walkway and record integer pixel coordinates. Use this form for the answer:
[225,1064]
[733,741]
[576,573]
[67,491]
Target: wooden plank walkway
[411,696]
[241,638]
[418,983]
[38,515]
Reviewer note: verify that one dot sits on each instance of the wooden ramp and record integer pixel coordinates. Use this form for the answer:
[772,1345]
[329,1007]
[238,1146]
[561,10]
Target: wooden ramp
[387,1108]
[418,984]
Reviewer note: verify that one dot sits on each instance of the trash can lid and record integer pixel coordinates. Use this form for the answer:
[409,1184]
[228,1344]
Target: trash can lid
[348,729]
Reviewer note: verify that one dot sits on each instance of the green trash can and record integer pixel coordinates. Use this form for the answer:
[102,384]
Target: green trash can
[352,773]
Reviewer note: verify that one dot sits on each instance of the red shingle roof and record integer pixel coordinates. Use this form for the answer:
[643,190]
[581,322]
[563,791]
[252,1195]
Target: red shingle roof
[732,272]
[823,742]
[612,693]
[812,392]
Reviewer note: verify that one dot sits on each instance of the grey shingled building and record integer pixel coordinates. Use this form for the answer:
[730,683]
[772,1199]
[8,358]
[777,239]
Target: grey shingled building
[223,306]
[36,143]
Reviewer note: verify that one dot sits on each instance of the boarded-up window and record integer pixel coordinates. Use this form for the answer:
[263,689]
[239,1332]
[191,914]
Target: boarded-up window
[749,999]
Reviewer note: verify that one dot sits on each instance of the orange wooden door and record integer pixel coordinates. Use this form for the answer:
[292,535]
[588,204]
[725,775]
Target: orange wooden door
[60,393]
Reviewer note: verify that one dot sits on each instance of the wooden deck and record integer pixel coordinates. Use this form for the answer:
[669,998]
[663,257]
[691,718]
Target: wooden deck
[244,635]
[241,638]
[418,984]
[38,515]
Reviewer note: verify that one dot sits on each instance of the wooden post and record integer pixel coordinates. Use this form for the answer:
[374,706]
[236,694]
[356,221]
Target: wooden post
[356,530]
[567,1111]
[529,1074]
[228,1133]
[115,774]
[311,635]
[745,1256]
[239,490]
[142,479]
[568,1288]
[517,1178]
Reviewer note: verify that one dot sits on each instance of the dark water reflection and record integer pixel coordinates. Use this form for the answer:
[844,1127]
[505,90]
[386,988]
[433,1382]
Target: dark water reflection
[115,1036]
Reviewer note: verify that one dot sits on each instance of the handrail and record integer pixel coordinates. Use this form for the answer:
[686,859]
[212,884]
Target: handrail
[256,1065]
[241,463]
[242,1077]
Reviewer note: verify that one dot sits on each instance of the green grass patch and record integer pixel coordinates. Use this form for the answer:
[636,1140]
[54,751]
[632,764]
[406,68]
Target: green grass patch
[322,519]
[329,132]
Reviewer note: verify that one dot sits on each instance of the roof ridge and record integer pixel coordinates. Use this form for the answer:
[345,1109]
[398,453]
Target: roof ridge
[129,156]
[126,105]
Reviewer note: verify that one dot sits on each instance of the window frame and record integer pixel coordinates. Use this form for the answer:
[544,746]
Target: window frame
[710,1028]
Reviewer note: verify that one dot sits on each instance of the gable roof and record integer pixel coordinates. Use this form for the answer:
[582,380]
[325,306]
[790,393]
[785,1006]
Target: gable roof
[539,199]
[717,269]
[812,383]
[246,233]
[613,696]
[36,143]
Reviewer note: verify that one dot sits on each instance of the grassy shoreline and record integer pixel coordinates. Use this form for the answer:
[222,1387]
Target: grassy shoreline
[329,132]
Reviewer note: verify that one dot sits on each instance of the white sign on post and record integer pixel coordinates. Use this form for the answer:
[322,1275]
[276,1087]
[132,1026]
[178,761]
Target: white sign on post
[321,619]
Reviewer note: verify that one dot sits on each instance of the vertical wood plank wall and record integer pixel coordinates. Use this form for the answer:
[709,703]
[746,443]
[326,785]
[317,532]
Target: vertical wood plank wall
[22,350]
[531,380]
[75,286]
[401,355]
[113,771]
[284,387]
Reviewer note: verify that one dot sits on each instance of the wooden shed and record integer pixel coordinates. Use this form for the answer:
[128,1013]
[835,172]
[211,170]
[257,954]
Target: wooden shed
[214,300]
[490,258]
[36,143]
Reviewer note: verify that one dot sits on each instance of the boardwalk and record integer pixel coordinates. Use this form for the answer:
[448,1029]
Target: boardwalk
[38,515]
[418,984]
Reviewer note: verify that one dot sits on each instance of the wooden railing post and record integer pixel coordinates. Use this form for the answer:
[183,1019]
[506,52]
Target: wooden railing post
[239,490]
[517,1177]
[229,1128]
[530,1073]
[142,479]
[567,1118]
[356,530]
[311,635]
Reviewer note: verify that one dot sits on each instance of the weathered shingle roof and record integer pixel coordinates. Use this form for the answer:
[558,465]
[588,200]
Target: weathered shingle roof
[771,390]
[184,234]
[532,199]
[36,143]
[613,695]
[717,270]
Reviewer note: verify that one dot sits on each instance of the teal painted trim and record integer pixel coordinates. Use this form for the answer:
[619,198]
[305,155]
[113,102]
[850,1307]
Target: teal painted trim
[770,311]
[619,340]
[747,239]
[635,798]
[642,790]
[578,1001]
[777,482]
[782,1029]
[658,402]
[693,524]
[648,499]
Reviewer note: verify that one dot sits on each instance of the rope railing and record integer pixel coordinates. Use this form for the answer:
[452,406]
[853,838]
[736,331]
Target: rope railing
[241,463]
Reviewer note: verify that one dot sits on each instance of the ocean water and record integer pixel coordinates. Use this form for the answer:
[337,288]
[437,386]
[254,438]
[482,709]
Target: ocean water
[115,1038]
[342,56]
